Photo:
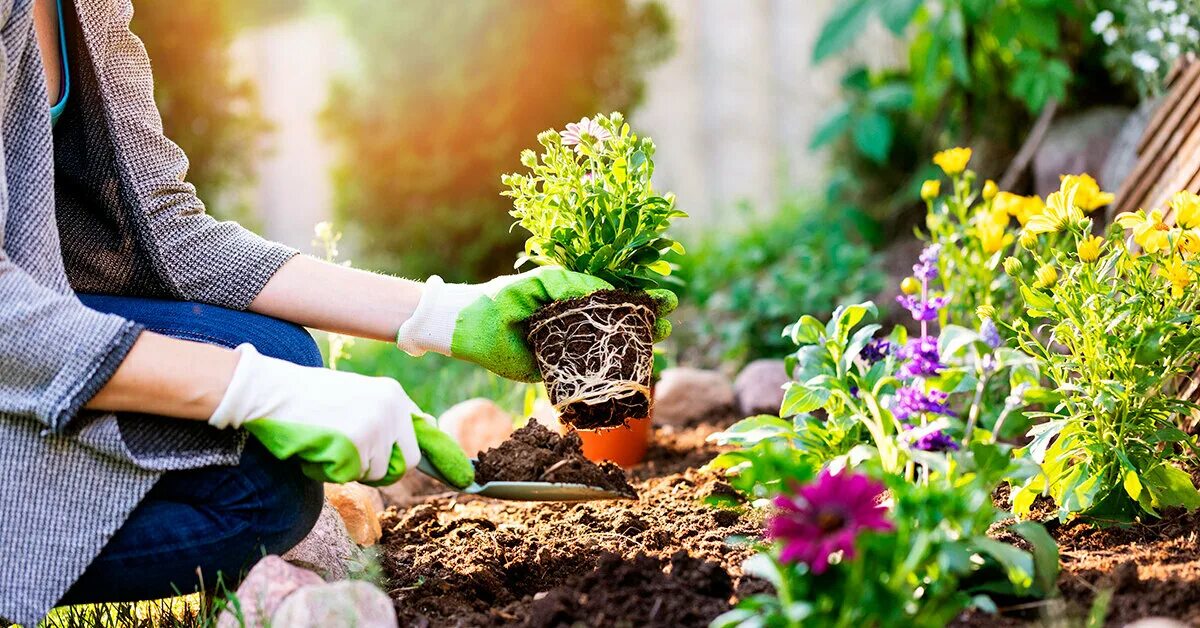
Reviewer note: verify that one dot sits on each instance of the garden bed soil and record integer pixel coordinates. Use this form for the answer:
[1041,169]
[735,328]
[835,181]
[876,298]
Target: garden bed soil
[1151,570]
[535,454]
[607,334]
[662,560]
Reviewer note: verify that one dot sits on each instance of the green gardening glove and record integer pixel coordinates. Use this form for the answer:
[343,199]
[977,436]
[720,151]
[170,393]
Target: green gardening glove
[483,323]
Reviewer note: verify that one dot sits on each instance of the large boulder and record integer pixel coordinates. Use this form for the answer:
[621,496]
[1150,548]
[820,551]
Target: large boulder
[262,592]
[759,387]
[1077,143]
[350,603]
[327,549]
[476,425]
[359,506]
[685,396]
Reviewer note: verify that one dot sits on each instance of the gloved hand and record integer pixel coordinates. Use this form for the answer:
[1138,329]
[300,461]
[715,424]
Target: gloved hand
[482,323]
[341,426]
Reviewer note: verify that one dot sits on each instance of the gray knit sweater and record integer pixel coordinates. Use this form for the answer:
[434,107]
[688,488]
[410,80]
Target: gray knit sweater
[97,205]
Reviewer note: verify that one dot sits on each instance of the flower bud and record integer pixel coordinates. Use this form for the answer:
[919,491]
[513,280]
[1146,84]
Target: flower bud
[985,312]
[1013,266]
[1046,276]
[930,189]
[990,190]
[910,285]
[1028,240]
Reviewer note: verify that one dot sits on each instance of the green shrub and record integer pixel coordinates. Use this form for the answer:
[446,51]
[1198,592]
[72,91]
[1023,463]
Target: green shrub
[741,288]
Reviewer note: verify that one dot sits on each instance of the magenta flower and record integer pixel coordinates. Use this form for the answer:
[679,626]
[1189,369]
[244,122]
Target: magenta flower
[935,441]
[826,517]
[585,131]
[913,400]
[921,358]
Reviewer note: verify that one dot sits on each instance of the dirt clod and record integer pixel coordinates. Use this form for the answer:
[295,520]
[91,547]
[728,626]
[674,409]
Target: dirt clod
[535,454]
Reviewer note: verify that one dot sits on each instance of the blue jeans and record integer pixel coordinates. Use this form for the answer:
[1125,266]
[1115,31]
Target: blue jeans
[196,524]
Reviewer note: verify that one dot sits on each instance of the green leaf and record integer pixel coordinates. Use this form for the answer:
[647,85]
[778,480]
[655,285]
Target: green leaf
[661,267]
[800,398]
[843,27]
[831,129]
[896,14]
[1132,485]
[765,567]
[873,134]
[891,97]
[955,338]
[1017,563]
[1045,555]
[1171,486]
[806,331]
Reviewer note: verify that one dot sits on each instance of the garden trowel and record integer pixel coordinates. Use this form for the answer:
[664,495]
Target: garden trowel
[527,491]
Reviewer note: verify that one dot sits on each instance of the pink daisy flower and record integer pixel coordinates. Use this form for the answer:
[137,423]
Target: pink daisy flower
[826,517]
[586,130]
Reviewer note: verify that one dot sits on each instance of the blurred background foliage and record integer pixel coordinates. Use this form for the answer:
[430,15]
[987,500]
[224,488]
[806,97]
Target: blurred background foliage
[428,128]
[441,102]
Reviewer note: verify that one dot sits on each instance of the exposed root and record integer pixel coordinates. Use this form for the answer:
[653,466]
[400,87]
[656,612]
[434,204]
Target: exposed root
[595,353]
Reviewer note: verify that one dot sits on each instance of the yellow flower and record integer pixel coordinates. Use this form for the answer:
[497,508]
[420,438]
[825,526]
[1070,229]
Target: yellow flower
[1020,207]
[993,231]
[1087,192]
[1089,249]
[1177,272]
[985,311]
[1013,266]
[910,286]
[1187,209]
[953,161]
[1149,230]
[1060,212]
[990,190]
[930,189]
[1045,277]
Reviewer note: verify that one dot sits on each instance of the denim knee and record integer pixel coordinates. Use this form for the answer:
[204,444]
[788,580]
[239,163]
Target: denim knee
[291,503]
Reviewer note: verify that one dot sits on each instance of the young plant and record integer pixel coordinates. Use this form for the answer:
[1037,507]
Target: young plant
[590,207]
[1117,329]
[869,548]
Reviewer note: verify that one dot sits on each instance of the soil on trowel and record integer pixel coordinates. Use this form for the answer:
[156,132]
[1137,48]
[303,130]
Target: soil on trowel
[535,454]
[664,560]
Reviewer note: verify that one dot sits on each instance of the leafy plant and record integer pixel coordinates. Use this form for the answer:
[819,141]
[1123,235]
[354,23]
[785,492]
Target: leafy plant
[1145,37]
[915,556]
[740,288]
[590,206]
[1117,328]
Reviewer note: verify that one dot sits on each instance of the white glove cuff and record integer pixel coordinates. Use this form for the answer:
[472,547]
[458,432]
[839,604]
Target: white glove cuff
[431,327]
[230,412]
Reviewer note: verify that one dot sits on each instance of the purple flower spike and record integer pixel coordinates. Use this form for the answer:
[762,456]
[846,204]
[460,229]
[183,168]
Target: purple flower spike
[990,333]
[913,400]
[921,359]
[926,268]
[876,350]
[935,441]
[922,310]
[826,517]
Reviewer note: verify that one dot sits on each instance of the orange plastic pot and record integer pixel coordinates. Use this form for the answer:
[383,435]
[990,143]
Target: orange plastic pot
[625,445]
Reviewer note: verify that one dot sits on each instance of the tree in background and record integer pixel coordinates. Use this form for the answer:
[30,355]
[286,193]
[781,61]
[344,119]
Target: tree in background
[213,116]
[449,95]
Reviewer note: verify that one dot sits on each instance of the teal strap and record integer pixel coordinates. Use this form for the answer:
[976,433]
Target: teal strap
[57,110]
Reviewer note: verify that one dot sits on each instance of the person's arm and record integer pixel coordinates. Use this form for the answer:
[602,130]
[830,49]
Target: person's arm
[168,377]
[317,294]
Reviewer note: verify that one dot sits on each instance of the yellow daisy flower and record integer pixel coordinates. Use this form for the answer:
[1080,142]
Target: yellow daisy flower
[990,190]
[1177,272]
[953,161]
[993,231]
[1020,207]
[1090,248]
[1060,212]
[1187,209]
[1087,192]
[1149,230]
[1045,277]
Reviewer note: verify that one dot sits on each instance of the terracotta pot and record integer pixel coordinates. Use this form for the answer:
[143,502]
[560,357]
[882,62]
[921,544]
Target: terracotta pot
[625,445]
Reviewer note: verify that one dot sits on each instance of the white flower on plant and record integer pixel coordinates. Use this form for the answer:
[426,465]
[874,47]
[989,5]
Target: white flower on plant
[1193,35]
[585,131]
[1110,36]
[1154,5]
[1103,20]
[1154,34]
[1171,50]
[1144,61]
[1177,27]
[1168,6]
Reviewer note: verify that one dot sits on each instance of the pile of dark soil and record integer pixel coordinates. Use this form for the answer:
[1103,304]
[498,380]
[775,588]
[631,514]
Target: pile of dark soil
[663,560]
[535,454]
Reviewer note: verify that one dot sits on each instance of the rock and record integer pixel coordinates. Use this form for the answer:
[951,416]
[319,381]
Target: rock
[759,387]
[1076,143]
[327,548]
[1156,622]
[350,603]
[262,592]
[359,506]
[686,395]
[476,425]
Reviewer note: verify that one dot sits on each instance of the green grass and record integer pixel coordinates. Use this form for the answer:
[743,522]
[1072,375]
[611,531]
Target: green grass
[188,611]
